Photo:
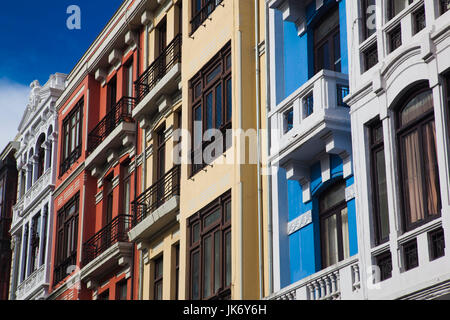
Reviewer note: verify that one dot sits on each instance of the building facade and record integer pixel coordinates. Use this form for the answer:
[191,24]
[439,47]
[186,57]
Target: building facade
[8,191]
[33,212]
[315,253]
[399,79]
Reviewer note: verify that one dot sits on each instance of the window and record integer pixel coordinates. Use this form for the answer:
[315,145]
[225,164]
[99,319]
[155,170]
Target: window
[410,255]
[395,38]
[25,253]
[161,155]
[104,296]
[370,56]
[35,242]
[369,19]
[419,20]
[384,262]
[44,233]
[177,270]
[334,225]
[41,156]
[444,6]
[379,186]
[437,244]
[128,80]
[23,183]
[327,43]
[342,92]
[67,237]
[72,137]
[211,103]
[2,198]
[201,10]
[158,280]
[288,120]
[122,290]
[112,94]
[210,251]
[418,166]
[396,6]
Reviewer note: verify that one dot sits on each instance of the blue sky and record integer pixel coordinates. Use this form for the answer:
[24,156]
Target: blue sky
[36,43]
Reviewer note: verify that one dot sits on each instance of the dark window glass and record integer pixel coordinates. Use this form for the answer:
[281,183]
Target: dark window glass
[419,20]
[327,47]
[288,120]
[418,160]
[396,6]
[384,262]
[436,244]
[158,280]
[334,225]
[369,19]
[444,6]
[35,242]
[370,57]
[122,290]
[72,137]
[395,38]
[104,296]
[410,255]
[379,185]
[210,254]
[308,105]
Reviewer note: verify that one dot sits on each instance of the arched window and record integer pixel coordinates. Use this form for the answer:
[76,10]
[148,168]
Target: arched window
[418,159]
[41,156]
[334,225]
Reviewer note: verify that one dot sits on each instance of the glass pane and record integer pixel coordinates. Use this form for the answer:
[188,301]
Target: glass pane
[229,100]
[213,74]
[412,177]
[195,233]
[212,218]
[219,106]
[216,262]
[332,197]
[383,210]
[431,169]
[422,103]
[345,235]
[330,243]
[228,212]
[207,267]
[198,127]
[228,259]
[228,62]
[337,52]
[198,90]
[195,272]
[330,23]
[209,111]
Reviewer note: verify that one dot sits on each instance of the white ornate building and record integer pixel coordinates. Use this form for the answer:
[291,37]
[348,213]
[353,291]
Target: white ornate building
[32,214]
[400,89]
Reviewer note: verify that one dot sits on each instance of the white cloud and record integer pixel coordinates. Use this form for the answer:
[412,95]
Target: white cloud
[13,101]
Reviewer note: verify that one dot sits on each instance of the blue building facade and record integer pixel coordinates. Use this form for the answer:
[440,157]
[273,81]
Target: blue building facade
[315,241]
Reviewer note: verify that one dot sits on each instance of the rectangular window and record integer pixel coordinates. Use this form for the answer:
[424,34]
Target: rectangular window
[308,105]
[379,185]
[369,20]
[419,20]
[342,91]
[122,290]
[128,80]
[288,120]
[35,242]
[210,251]
[327,44]
[444,6]
[384,263]
[410,255]
[211,103]
[25,253]
[2,196]
[436,244]
[370,56]
[158,279]
[112,94]
[177,270]
[395,38]
[72,137]
[396,6]
[104,296]
[67,237]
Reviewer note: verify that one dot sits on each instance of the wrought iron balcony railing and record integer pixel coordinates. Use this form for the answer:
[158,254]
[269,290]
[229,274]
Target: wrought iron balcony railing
[203,14]
[121,112]
[64,268]
[70,160]
[155,196]
[115,232]
[159,68]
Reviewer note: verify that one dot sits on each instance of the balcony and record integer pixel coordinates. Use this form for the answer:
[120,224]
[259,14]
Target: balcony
[203,14]
[107,249]
[111,132]
[339,282]
[34,285]
[313,119]
[157,207]
[160,78]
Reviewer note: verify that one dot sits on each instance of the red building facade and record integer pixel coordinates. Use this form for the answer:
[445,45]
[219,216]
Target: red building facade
[99,169]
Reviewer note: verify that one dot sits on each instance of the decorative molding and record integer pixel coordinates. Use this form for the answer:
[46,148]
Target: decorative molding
[350,193]
[299,223]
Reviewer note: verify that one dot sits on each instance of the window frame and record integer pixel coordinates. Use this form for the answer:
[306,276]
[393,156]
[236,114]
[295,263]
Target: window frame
[69,157]
[158,280]
[416,125]
[223,227]
[365,17]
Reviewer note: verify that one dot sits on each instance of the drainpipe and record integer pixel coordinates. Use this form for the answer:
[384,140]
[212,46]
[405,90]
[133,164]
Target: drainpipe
[269,176]
[258,134]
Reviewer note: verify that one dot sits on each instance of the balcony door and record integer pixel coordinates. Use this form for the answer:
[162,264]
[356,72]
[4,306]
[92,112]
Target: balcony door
[161,47]
[108,214]
[161,166]
[112,94]
[327,43]
[334,225]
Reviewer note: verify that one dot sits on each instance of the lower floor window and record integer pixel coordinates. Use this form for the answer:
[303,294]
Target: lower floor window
[210,251]
[334,225]
[158,280]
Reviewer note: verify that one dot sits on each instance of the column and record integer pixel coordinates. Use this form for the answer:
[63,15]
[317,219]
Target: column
[15,267]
